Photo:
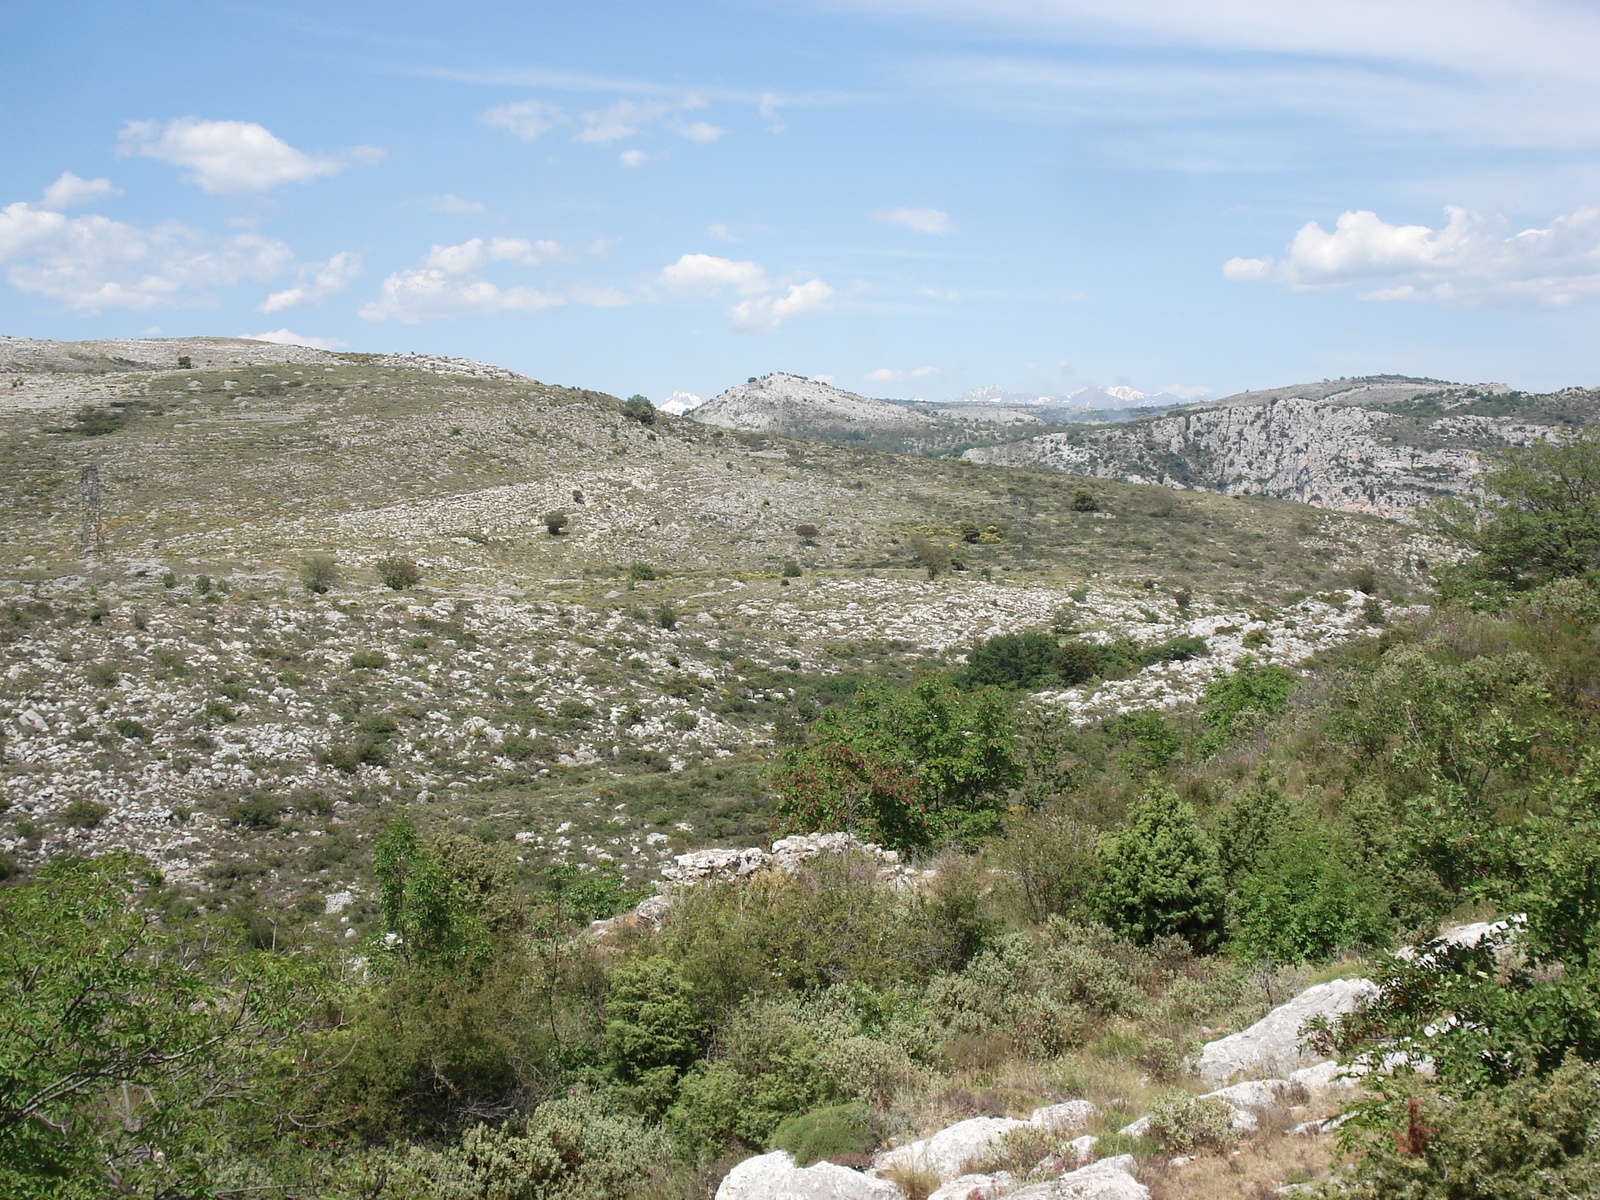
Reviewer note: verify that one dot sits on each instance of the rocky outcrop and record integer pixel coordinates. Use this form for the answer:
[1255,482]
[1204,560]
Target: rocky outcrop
[1329,452]
[949,1152]
[1272,1045]
[787,854]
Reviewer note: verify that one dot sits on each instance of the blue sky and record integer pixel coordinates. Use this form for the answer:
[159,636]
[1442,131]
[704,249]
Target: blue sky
[910,197]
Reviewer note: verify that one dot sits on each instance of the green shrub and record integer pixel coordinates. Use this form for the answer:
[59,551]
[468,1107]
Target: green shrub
[103,674]
[1161,875]
[1083,500]
[128,727]
[398,572]
[1047,994]
[667,617]
[572,1148]
[1019,660]
[1537,1139]
[1301,901]
[369,660]
[838,1129]
[556,522]
[1188,1124]
[319,573]
[638,408]
[83,813]
[217,710]
[791,570]
[641,570]
[1245,698]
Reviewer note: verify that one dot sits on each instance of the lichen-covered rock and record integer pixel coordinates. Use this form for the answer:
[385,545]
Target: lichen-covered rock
[1271,1047]
[775,1177]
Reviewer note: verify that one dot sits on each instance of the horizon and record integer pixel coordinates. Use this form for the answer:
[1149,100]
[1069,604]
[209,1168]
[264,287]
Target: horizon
[904,198]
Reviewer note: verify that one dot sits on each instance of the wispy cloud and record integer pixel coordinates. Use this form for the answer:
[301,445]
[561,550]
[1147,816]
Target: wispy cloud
[287,337]
[450,282]
[318,282]
[918,220]
[766,304]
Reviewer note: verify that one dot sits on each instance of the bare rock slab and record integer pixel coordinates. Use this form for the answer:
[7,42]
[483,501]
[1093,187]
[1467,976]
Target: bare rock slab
[775,1177]
[1272,1045]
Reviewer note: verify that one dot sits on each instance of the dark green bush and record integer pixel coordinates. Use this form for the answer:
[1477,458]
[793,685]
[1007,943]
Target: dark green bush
[398,572]
[1161,875]
[826,1133]
[654,1031]
[83,813]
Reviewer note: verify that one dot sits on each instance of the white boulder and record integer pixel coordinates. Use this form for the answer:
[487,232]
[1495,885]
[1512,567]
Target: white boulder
[1105,1179]
[1272,1045]
[947,1152]
[775,1177]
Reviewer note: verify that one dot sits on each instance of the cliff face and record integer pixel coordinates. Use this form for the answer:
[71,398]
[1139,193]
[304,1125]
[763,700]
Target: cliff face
[1317,451]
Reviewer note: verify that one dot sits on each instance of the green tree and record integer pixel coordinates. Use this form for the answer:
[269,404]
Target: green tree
[1244,698]
[927,763]
[447,902]
[1020,660]
[1538,520]
[654,1031]
[1301,900]
[1160,874]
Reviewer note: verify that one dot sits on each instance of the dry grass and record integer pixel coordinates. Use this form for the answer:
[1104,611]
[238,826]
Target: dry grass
[1251,1173]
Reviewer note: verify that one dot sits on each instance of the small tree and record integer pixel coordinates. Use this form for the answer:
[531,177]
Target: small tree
[807,534]
[638,408]
[1161,875]
[1083,500]
[555,522]
[641,570]
[932,556]
[398,572]
[319,573]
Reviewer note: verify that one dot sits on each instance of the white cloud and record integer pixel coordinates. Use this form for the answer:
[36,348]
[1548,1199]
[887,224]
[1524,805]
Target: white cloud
[890,375]
[603,126]
[918,220]
[452,204]
[765,312]
[699,131]
[70,192]
[632,158]
[953,296]
[287,337]
[526,119]
[882,375]
[923,372]
[722,233]
[90,263]
[707,273]
[229,156]
[319,282]
[1472,259]
[449,282]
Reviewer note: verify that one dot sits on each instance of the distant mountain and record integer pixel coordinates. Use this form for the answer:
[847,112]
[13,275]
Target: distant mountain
[680,403]
[1377,444]
[800,407]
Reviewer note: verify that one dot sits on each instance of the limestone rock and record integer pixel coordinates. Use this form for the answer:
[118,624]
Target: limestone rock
[1272,1045]
[947,1152]
[975,1187]
[1062,1118]
[775,1177]
[1105,1179]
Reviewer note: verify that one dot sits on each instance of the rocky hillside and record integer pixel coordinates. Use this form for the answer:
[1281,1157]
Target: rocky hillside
[162,661]
[799,407]
[1381,445]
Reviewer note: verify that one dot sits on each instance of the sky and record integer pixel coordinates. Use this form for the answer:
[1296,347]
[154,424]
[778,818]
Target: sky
[908,198]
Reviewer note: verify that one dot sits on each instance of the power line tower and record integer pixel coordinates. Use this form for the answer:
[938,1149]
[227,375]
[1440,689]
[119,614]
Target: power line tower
[94,526]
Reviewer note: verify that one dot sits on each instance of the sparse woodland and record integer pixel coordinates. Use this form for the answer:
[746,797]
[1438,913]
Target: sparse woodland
[1130,820]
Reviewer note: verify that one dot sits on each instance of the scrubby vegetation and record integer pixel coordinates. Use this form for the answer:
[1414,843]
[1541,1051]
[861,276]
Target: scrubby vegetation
[1091,892]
